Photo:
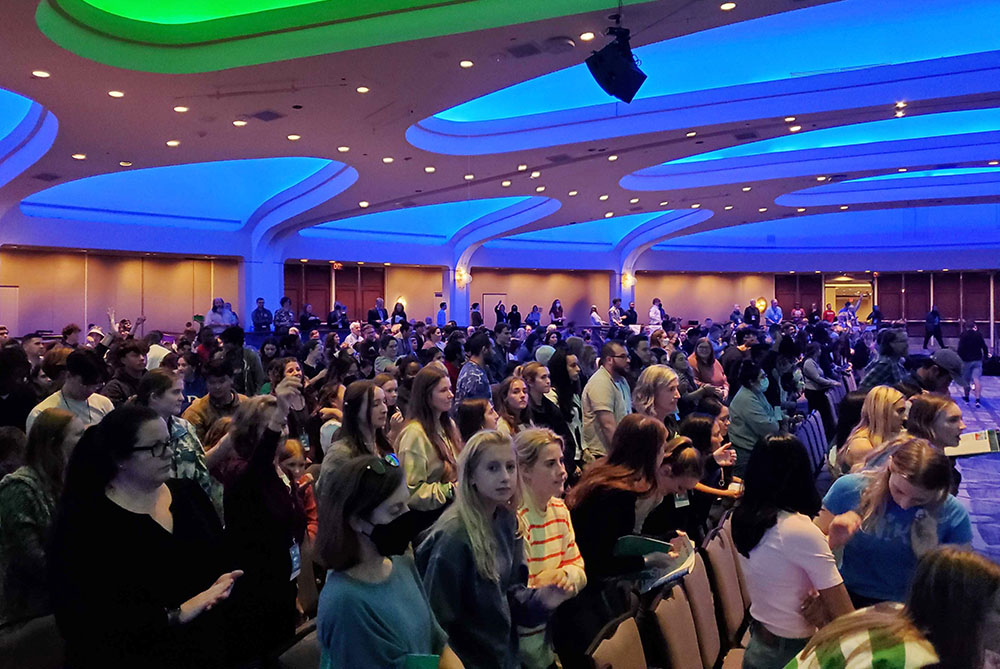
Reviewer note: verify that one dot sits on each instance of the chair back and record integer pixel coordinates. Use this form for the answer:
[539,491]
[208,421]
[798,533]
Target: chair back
[813,437]
[304,654]
[699,595]
[677,630]
[726,584]
[621,650]
[727,528]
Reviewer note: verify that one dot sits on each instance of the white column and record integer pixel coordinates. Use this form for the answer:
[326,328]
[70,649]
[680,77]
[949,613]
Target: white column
[455,284]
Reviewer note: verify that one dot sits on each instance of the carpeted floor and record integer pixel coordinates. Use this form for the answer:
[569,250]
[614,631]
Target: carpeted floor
[980,489]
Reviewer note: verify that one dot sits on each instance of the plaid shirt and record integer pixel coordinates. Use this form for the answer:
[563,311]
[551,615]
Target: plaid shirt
[884,371]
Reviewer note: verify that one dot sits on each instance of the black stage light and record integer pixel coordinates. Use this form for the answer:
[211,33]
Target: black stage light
[615,69]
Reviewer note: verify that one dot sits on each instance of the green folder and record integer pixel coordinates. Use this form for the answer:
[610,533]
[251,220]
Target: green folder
[633,545]
[421,662]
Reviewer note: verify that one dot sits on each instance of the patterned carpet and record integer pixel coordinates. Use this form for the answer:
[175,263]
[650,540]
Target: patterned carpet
[980,491]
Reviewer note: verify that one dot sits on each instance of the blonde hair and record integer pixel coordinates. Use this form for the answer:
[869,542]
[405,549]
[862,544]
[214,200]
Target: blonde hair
[528,445]
[650,381]
[876,416]
[470,508]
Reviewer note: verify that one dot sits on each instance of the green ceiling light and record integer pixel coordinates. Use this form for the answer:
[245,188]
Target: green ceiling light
[221,34]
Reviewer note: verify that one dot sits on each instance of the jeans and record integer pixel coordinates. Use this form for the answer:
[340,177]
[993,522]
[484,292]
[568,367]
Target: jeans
[761,655]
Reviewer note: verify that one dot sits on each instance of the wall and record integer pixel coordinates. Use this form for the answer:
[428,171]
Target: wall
[56,288]
[576,290]
[416,285]
[699,296]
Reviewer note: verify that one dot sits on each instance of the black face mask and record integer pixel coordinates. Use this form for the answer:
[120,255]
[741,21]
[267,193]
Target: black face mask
[388,541]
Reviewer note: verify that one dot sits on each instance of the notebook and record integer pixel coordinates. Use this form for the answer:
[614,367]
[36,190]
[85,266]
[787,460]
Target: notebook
[975,443]
[650,579]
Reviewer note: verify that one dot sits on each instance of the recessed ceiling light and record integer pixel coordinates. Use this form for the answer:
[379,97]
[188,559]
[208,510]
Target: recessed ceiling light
[994,162]
[820,178]
[362,89]
[587,36]
[901,169]
[900,104]
[728,207]
[469,177]
[173,142]
[817,272]
[505,183]
[944,269]
[900,113]
[364,204]
[800,209]
[343,149]
[521,168]
[79,156]
[609,214]
[843,207]
[691,134]
[116,94]
[294,138]
[727,6]
[695,205]
[540,189]
[746,189]
[465,64]
[664,203]
[789,119]
[180,109]
[387,160]
[612,158]
[303,259]
[572,193]
[603,198]
[239,123]
[634,200]
[535,174]
[125,163]
[430,169]
[40,74]
[794,128]
[762,209]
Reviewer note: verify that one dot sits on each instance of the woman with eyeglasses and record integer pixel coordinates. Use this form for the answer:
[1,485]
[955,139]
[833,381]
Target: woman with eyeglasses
[137,562]
[265,525]
[373,610]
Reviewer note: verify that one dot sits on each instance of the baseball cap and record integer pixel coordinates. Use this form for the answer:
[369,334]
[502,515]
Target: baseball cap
[950,361]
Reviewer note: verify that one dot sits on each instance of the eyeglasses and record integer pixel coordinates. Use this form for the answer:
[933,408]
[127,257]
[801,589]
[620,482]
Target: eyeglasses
[158,449]
[379,466]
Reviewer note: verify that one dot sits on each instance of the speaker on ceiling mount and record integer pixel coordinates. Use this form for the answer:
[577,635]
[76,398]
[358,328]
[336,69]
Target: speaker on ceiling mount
[614,67]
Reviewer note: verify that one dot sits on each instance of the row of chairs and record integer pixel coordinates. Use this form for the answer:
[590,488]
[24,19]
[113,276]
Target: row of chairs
[701,622]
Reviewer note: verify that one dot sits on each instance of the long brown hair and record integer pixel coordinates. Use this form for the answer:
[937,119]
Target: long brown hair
[632,462]
[515,421]
[420,411]
[924,408]
[919,463]
[358,401]
[45,453]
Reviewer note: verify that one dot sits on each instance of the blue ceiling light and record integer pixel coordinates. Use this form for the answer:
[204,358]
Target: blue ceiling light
[598,235]
[959,182]
[913,140]
[428,224]
[909,49]
[223,195]
[27,131]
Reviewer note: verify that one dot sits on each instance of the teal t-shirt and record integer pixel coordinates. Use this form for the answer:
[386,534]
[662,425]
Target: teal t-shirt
[880,564]
[363,624]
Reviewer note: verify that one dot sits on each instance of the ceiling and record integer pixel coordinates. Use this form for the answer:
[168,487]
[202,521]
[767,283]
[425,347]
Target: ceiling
[781,135]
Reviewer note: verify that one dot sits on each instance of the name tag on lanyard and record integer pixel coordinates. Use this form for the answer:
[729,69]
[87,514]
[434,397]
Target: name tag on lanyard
[296,557]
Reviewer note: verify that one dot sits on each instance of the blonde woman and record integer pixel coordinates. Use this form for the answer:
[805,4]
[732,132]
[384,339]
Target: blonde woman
[472,561]
[656,394]
[886,518]
[936,418]
[882,416]
[553,557]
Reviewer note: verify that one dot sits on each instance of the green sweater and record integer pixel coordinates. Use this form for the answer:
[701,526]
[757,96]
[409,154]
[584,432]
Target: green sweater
[26,509]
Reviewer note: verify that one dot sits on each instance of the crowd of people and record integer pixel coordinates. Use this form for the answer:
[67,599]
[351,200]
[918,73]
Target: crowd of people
[464,489]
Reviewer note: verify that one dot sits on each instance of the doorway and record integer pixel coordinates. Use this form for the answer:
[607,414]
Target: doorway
[489,302]
[839,289]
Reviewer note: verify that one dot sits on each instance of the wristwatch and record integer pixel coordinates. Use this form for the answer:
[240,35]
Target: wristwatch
[173,617]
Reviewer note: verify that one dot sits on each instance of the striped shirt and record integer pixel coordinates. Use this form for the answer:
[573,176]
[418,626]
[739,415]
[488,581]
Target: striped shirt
[868,648]
[550,544]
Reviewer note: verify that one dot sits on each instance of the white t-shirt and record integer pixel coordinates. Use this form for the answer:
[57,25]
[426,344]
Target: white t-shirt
[791,559]
[90,412]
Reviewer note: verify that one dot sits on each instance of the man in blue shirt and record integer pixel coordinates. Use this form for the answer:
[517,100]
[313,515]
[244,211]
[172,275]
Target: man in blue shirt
[773,316]
[442,317]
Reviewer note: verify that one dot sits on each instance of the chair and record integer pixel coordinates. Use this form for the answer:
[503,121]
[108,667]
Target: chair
[622,649]
[732,611]
[699,595]
[851,382]
[727,528]
[308,594]
[679,641]
[813,437]
[304,654]
[833,396]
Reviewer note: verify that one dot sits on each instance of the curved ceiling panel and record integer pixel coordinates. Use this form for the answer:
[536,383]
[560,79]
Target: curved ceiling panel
[913,140]
[901,186]
[219,34]
[818,58]
[27,130]
[918,228]
[223,195]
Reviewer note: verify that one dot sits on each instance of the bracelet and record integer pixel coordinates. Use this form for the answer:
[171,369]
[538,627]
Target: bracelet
[173,617]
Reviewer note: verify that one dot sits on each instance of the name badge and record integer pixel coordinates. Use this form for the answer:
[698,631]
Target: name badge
[296,556]
[681,500]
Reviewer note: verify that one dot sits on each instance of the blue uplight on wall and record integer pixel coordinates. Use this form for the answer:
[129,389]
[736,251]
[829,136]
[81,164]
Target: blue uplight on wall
[797,58]
[960,182]
[221,195]
[913,140]
[27,131]
[428,224]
